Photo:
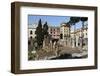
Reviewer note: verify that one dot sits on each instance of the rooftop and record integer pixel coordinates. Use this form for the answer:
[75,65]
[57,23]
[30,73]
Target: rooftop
[65,25]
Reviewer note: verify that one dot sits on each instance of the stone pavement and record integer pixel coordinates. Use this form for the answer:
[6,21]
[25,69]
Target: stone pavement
[70,50]
[47,53]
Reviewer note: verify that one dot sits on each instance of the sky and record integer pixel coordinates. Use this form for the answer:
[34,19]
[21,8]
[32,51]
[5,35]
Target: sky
[51,20]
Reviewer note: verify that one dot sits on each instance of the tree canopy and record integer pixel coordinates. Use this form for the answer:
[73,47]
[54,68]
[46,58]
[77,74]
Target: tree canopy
[45,29]
[40,32]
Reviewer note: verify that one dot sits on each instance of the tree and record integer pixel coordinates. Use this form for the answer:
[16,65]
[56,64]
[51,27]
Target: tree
[68,23]
[39,28]
[39,34]
[45,29]
[83,19]
[72,22]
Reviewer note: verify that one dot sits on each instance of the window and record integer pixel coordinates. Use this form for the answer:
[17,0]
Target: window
[61,36]
[31,32]
[31,37]
[50,29]
[29,42]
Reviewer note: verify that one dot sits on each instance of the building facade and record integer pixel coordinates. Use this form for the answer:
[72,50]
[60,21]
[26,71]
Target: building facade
[64,30]
[54,32]
[64,34]
[31,30]
[79,37]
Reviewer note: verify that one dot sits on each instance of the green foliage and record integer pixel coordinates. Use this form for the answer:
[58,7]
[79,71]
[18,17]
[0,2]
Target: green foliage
[45,29]
[83,19]
[39,28]
[31,56]
[74,20]
[39,34]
